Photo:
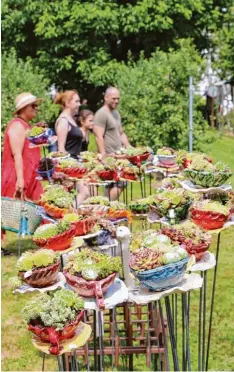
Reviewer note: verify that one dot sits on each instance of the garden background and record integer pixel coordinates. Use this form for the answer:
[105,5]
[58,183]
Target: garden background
[148,49]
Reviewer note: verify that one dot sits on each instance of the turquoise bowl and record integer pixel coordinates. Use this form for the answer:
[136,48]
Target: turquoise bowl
[163,277]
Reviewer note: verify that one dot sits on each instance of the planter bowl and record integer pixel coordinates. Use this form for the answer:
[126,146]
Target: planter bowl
[167,160]
[108,175]
[93,209]
[208,220]
[128,176]
[90,288]
[163,277]
[59,242]
[207,179]
[50,335]
[84,226]
[181,212]
[43,277]
[117,214]
[46,174]
[138,159]
[40,139]
[73,172]
[54,211]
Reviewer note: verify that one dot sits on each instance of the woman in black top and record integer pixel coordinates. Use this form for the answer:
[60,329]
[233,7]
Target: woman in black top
[69,134]
[85,121]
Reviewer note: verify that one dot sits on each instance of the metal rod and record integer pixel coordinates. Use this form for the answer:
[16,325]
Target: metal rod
[43,362]
[100,331]
[95,339]
[164,337]
[186,314]
[172,335]
[183,336]
[204,323]
[200,327]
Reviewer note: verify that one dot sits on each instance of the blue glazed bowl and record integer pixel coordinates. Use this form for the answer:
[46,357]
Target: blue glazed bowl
[163,277]
[40,139]
[46,174]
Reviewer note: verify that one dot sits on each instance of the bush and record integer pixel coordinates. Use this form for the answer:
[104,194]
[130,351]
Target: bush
[154,98]
[17,77]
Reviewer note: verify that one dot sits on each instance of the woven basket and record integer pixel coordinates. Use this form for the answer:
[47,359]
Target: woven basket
[11,214]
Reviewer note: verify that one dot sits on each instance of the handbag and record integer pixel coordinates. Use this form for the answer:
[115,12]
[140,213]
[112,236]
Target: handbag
[19,216]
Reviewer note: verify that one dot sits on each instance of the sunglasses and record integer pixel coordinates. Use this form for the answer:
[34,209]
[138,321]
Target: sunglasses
[34,106]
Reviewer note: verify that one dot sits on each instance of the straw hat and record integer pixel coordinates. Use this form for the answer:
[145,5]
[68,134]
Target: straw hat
[24,99]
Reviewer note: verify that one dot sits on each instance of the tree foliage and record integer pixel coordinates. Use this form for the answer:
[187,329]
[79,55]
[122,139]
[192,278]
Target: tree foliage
[19,76]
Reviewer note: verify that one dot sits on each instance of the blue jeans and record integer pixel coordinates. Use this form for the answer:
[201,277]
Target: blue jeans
[54,147]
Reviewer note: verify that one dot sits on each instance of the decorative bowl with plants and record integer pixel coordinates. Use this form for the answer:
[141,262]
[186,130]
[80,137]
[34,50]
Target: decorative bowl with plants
[209,214]
[166,156]
[177,199]
[170,183]
[55,236]
[138,155]
[140,206]
[106,170]
[95,205]
[38,135]
[57,201]
[54,317]
[195,240]
[158,264]
[91,273]
[45,168]
[83,224]
[72,168]
[119,210]
[38,269]
[59,155]
[131,173]
[203,173]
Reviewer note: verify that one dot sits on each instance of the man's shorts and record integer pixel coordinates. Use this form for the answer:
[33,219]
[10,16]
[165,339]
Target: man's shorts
[119,184]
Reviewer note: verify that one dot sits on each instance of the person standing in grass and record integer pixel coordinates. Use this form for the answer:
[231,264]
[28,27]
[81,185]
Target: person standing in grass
[109,133]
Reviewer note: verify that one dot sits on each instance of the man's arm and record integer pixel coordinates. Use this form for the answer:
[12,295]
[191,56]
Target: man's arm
[124,138]
[99,135]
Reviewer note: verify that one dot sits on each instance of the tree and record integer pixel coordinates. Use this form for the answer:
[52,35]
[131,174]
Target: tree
[19,76]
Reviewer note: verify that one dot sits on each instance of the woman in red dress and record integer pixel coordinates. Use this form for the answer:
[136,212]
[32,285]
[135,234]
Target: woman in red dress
[19,162]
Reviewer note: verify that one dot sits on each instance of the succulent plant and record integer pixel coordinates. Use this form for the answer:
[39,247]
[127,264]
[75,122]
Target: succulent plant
[116,205]
[54,309]
[145,259]
[97,200]
[45,164]
[51,229]
[165,151]
[32,260]
[72,217]
[99,263]
[35,131]
[58,196]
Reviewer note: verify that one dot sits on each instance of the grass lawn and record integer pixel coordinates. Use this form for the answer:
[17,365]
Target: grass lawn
[18,353]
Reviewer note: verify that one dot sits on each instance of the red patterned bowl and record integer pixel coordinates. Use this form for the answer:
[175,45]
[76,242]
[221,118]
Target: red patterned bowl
[208,220]
[197,250]
[108,175]
[54,211]
[93,209]
[112,213]
[73,172]
[137,160]
[43,277]
[59,242]
[49,334]
[90,288]
[128,176]
[84,226]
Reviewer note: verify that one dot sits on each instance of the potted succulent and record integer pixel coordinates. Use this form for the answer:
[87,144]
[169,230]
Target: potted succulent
[131,173]
[177,199]
[209,214]
[45,168]
[38,269]
[55,236]
[140,206]
[203,173]
[166,156]
[158,264]
[118,210]
[138,155]
[91,273]
[58,155]
[72,168]
[57,201]
[54,317]
[95,205]
[170,183]
[37,135]
[195,240]
[83,224]
[88,156]
[107,170]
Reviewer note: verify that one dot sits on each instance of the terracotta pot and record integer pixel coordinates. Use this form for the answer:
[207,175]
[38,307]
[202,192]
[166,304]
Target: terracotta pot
[137,160]
[59,242]
[49,334]
[54,211]
[43,277]
[84,226]
[108,175]
[90,288]
[208,220]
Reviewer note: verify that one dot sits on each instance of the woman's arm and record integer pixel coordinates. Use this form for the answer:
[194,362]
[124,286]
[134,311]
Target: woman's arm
[17,138]
[62,129]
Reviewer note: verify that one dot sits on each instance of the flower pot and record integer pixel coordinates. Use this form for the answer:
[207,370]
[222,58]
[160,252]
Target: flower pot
[207,219]
[46,174]
[117,214]
[84,226]
[93,209]
[137,160]
[108,175]
[167,160]
[40,139]
[73,172]
[54,211]
[163,277]
[207,179]
[42,277]
[180,211]
[90,288]
[128,176]
[49,334]
[139,209]
[59,242]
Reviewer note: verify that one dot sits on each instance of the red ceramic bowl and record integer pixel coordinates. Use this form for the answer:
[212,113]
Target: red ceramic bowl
[128,176]
[54,211]
[137,160]
[208,220]
[84,226]
[59,242]
[73,172]
[108,175]
[90,288]
[49,334]
[43,277]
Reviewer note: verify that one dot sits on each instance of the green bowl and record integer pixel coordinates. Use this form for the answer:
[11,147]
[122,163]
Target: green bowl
[207,179]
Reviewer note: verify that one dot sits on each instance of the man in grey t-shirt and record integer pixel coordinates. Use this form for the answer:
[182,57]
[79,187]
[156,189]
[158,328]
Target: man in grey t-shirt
[108,130]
